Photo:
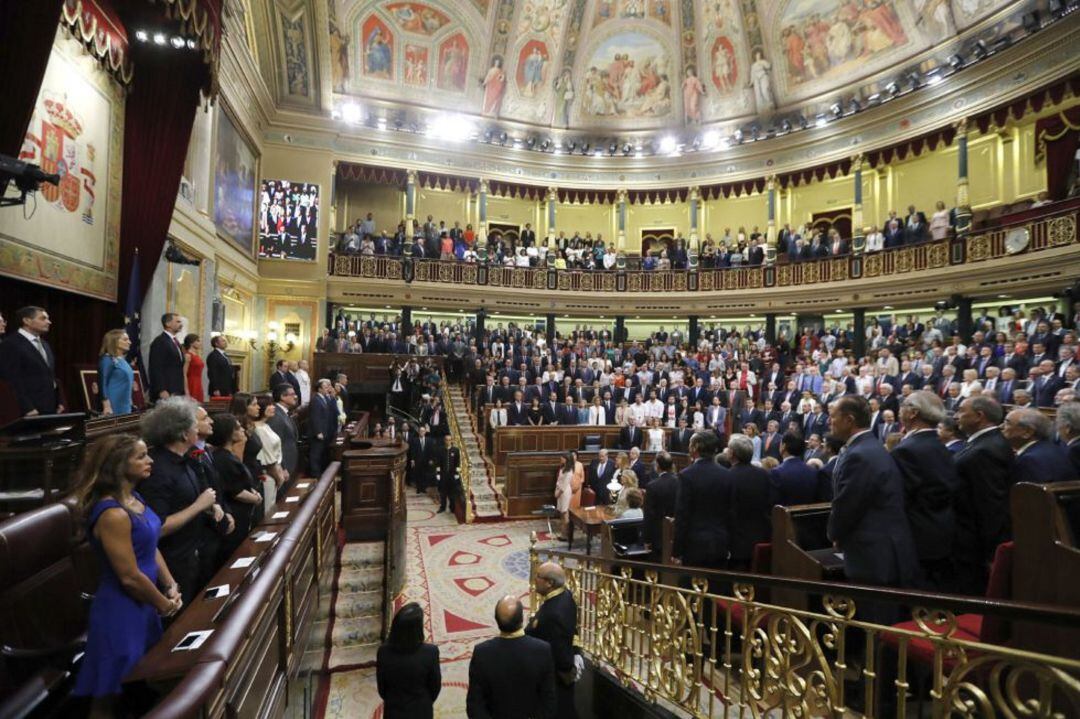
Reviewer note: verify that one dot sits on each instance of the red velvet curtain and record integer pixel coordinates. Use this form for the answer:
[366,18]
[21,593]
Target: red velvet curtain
[1058,136]
[27,28]
[157,126]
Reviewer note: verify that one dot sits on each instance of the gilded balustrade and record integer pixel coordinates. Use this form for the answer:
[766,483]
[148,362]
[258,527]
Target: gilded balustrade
[726,653]
[1057,228]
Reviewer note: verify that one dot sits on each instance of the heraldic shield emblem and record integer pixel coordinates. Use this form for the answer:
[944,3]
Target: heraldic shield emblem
[54,144]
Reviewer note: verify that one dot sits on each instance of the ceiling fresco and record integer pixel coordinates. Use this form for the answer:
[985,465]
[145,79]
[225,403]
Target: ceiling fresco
[626,65]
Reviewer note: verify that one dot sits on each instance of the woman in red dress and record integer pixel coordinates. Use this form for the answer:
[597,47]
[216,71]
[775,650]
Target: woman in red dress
[193,367]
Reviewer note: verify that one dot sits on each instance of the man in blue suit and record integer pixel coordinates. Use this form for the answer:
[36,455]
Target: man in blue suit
[1068,427]
[930,485]
[702,531]
[1038,459]
[322,427]
[794,481]
[867,522]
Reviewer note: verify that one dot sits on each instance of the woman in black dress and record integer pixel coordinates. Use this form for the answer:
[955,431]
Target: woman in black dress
[228,440]
[246,409]
[536,416]
[406,669]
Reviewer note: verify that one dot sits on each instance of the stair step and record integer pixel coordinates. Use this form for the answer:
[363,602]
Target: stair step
[360,580]
[355,631]
[359,604]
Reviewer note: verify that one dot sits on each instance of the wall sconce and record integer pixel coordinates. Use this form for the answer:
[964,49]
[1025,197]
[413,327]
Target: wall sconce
[273,346]
[251,336]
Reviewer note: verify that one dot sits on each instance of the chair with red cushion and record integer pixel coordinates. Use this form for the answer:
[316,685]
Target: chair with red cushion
[969,627]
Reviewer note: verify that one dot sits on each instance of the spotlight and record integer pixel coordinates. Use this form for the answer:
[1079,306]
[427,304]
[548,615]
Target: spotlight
[979,50]
[738,135]
[584,148]
[613,148]
[785,125]
[755,131]
[191,43]
[503,137]
[531,142]
[956,62]
[836,110]
[803,122]
[177,42]
[1031,22]
[572,145]
[914,79]
[723,144]
[874,99]
[710,139]
[141,35]
[668,144]
[545,145]
[159,38]
[821,121]
[627,149]
[854,106]
[893,88]
[934,78]
[696,142]
[487,135]
[350,112]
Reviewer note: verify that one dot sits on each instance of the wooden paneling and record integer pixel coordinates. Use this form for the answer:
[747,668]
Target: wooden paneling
[370,370]
[371,488]
[553,438]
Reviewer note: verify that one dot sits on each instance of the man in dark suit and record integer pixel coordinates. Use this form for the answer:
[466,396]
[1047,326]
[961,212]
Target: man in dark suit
[630,436]
[517,413]
[551,410]
[556,623]
[599,475]
[984,469]
[930,486]
[794,481]
[423,456]
[702,520]
[219,369]
[750,414]
[285,401]
[511,676]
[867,522]
[282,375]
[680,438]
[915,226]
[771,440]
[750,506]
[28,365]
[888,425]
[1068,428]
[1030,432]
[1045,383]
[322,427]
[528,236]
[660,502]
[167,360]
[639,468]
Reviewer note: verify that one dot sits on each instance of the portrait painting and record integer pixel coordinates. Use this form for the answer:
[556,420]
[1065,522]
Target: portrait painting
[725,70]
[378,49]
[532,68]
[416,65]
[69,235]
[417,18]
[234,184]
[453,63]
[821,39]
[628,76]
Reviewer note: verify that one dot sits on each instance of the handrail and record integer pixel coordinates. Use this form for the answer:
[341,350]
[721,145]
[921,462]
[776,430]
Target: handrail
[1007,609]
[463,458]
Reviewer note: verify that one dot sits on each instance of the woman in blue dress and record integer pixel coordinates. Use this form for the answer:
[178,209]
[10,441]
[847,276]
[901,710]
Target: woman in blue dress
[136,589]
[115,376]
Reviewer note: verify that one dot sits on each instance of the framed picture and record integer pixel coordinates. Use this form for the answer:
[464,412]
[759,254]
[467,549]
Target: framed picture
[288,220]
[235,170]
[91,390]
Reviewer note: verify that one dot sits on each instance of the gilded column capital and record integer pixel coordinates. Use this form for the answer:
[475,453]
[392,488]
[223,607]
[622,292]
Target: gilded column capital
[622,196]
[772,183]
[410,177]
[961,126]
[857,162]
[695,193]
[483,189]
[552,194]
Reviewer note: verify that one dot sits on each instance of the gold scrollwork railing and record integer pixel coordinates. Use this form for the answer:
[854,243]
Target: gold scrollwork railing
[726,653]
[1052,228]
[464,465]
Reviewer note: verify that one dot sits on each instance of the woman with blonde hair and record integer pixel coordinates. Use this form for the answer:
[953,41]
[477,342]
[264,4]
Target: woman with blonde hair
[629,480]
[115,375]
[135,589]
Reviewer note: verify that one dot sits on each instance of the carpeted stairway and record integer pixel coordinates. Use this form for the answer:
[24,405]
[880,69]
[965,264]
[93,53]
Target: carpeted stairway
[357,606]
[487,502]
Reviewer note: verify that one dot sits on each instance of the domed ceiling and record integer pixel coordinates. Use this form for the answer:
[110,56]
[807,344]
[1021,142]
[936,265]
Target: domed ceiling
[639,64]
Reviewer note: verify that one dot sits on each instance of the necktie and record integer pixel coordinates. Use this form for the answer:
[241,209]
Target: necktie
[41,349]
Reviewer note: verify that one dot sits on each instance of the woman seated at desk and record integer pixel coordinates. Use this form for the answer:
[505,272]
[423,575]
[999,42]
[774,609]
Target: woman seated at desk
[635,500]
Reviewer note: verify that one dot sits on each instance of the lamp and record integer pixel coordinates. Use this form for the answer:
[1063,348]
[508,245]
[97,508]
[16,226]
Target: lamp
[273,345]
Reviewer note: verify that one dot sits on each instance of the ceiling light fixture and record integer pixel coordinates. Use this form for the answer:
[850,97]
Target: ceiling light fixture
[821,121]
[159,38]
[669,144]
[177,42]
[710,139]
[893,88]
[350,112]
[141,35]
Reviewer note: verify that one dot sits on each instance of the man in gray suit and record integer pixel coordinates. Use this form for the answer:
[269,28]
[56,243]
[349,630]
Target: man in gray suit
[284,426]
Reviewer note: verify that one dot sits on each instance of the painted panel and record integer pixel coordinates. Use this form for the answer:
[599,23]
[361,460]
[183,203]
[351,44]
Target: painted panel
[924,181]
[628,77]
[416,65]
[378,49]
[732,213]
[453,63]
[533,65]
[234,184]
[820,197]
[1030,178]
[441,205]
[417,18]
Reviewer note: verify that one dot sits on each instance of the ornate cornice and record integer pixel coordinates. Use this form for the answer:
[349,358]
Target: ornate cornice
[1006,76]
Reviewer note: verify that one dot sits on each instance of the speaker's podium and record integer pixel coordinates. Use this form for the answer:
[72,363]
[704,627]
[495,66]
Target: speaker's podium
[801,550]
[1046,564]
[39,457]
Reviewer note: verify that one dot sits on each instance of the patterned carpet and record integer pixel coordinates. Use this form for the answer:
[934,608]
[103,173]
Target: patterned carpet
[456,573]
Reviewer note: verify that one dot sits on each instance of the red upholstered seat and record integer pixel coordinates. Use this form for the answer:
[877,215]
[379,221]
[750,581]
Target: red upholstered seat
[760,563]
[588,497]
[969,627]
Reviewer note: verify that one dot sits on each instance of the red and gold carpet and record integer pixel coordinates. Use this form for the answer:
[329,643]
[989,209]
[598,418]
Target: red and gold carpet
[456,573]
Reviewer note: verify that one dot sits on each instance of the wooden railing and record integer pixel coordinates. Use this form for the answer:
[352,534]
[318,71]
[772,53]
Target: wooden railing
[1055,227]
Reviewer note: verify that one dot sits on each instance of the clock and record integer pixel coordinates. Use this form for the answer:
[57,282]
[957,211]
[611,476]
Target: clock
[1016,240]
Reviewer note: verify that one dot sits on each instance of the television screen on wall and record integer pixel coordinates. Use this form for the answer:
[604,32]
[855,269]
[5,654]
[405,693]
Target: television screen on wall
[288,220]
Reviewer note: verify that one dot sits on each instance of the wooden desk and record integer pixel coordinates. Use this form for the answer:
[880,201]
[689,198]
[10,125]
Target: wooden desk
[552,438]
[372,489]
[590,519]
[801,550]
[371,371]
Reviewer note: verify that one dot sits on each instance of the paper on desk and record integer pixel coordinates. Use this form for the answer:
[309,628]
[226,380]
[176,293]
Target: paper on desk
[267,536]
[278,515]
[222,590]
[290,500]
[303,485]
[193,640]
[242,563]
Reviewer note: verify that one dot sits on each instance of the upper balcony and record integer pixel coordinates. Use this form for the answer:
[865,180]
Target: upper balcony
[1033,250]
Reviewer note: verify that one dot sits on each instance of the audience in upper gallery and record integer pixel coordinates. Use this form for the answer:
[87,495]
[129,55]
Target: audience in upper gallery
[135,588]
[578,252]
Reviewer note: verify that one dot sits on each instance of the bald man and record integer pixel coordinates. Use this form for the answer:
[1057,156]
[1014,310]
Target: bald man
[511,676]
[556,623]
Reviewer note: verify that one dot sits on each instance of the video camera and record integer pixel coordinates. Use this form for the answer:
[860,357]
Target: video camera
[27,177]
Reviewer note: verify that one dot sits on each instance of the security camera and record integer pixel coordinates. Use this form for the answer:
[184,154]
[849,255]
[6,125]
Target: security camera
[175,256]
[28,178]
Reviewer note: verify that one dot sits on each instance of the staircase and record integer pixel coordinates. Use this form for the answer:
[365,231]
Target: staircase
[485,502]
[356,617]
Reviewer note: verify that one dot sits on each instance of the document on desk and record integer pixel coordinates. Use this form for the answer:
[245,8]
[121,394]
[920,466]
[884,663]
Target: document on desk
[193,640]
[290,500]
[242,563]
[277,515]
[303,485]
[268,536]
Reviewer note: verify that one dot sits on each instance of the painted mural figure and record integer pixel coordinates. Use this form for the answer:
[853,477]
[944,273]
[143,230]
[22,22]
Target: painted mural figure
[453,65]
[534,72]
[494,84]
[564,97]
[761,81]
[378,54]
[339,57]
[693,91]
[723,66]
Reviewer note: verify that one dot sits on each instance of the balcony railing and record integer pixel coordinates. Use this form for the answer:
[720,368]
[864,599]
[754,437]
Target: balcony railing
[709,645]
[1056,227]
